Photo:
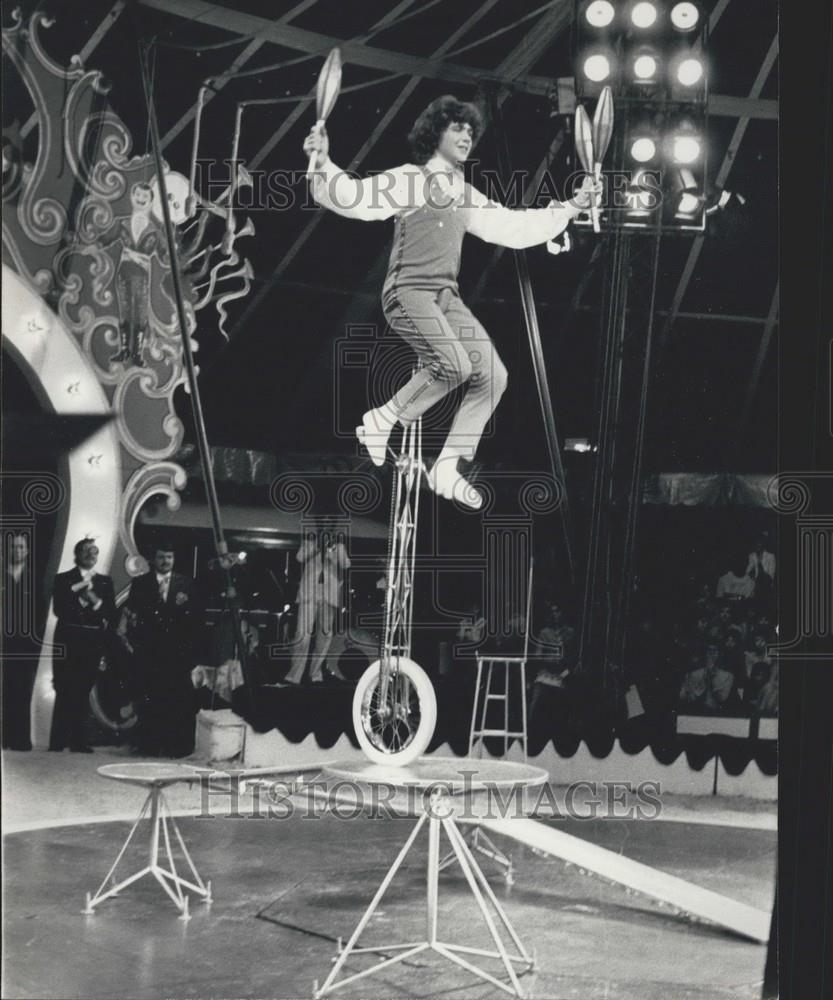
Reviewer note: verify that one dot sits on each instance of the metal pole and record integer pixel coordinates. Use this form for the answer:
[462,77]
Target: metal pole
[188,357]
[538,363]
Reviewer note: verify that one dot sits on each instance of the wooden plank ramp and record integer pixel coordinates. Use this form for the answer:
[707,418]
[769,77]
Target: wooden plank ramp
[746,921]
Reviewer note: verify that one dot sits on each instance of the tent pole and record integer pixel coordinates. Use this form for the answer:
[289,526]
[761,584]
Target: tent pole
[220,543]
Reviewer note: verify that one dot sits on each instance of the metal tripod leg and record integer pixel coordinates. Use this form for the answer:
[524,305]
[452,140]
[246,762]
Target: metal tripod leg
[168,877]
[514,961]
[480,842]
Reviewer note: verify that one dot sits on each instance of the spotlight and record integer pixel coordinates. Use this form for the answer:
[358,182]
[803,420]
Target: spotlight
[600,13]
[685,16]
[690,198]
[689,72]
[641,194]
[689,203]
[645,67]
[685,148]
[597,68]
[643,149]
[643,15]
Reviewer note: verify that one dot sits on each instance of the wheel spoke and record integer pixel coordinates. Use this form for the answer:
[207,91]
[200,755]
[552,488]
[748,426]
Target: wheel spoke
[392,725]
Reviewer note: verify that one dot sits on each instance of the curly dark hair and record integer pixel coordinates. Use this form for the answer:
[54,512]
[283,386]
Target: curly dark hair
[425,135]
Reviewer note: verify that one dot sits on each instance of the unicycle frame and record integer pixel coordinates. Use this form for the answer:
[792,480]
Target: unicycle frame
[399,592]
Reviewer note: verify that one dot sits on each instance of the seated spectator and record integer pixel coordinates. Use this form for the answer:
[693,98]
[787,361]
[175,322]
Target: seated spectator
[732,657]
[759,685]
[698,638]
[761,561]
[707,684]
[472,627]
[554,654]
[736,584]
[725,618]
[715,635]
[757,653]
[766,700]
[554,646]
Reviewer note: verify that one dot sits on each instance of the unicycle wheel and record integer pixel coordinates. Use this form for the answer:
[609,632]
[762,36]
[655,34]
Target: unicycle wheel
[396,729]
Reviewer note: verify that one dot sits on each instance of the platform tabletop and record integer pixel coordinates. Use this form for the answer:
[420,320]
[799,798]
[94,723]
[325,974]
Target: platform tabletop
[143,773]
[457,775]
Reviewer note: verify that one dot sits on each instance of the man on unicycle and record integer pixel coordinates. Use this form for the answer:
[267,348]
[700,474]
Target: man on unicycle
[433,208]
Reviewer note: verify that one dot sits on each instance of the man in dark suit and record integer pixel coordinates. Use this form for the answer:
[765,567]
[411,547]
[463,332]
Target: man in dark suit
[85,607]
[20,648]
[158,628]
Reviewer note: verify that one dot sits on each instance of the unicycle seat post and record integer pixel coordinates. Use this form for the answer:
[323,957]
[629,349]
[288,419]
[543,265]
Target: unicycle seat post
[394,707]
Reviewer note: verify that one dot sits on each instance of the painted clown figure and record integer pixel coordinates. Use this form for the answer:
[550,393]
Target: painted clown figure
[141,239]
[433,208]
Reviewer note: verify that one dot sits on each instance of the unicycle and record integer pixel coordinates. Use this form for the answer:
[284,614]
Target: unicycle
[394,705]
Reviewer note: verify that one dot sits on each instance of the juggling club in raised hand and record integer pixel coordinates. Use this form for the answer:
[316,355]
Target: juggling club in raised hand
[602,133]
[584,150]
[326,94]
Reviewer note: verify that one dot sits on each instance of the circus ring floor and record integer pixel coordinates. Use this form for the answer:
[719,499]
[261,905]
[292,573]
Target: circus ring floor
[286,889]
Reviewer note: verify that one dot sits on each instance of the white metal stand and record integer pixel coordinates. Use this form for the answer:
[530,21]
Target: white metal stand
[172,882]
[478,731]
[508,662]
[439,817]
[478,841]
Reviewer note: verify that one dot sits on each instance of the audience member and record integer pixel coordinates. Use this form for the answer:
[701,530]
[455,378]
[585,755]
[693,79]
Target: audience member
[472,627]
[85,607]
[554,654]
[20,649]
[732,658]
[725,618]
[325,561]
[554,648]
[757,652]
[707,684]
[157,625]
[766,701]
[736,584]
[715,627]
[761,681]
[761,561]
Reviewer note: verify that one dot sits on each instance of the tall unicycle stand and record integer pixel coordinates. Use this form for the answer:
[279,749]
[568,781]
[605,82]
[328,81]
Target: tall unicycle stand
[394,706]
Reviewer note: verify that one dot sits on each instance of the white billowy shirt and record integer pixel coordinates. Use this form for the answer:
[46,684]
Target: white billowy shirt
[406,189]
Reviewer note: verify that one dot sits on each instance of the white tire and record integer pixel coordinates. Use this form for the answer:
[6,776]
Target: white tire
[402,732]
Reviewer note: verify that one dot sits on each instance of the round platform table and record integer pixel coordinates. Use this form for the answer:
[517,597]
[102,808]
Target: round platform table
[439,780]
[155,778]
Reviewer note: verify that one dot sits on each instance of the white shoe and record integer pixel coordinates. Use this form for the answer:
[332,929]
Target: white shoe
[374,432]
[446,481]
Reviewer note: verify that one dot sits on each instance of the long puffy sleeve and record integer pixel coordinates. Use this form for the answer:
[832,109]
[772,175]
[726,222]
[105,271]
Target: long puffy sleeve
[342,557]
[372,199]
[515,228]
[306,550]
